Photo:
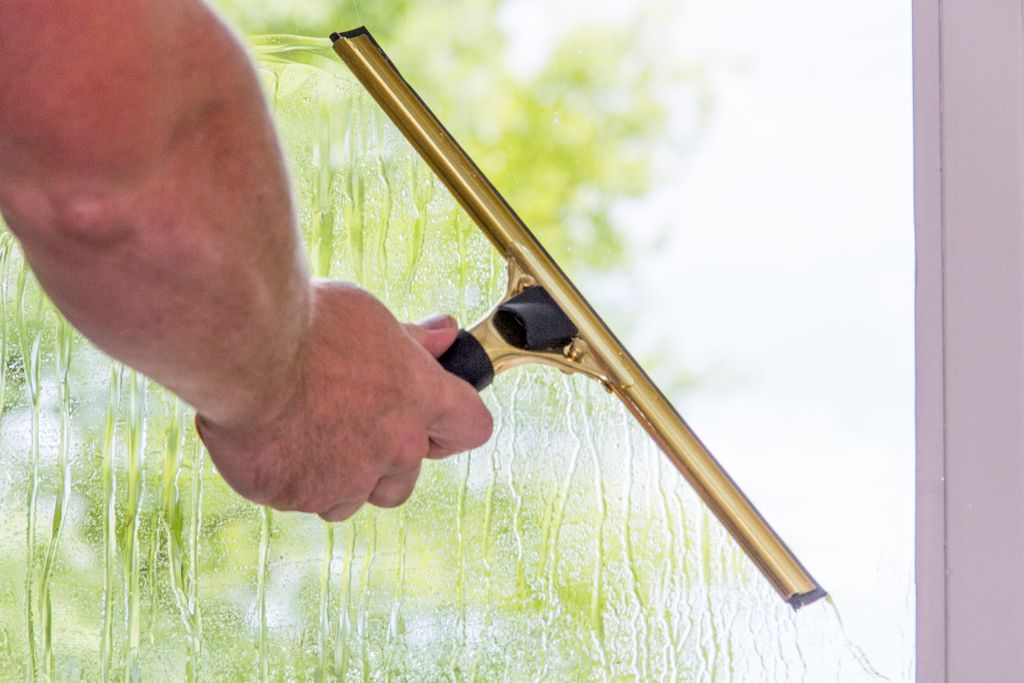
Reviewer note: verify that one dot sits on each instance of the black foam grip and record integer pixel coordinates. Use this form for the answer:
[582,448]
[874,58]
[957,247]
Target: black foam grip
[467,359]
[532,321]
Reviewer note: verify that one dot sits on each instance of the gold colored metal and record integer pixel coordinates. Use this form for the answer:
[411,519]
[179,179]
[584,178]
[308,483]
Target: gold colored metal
[595,352]
[574,358]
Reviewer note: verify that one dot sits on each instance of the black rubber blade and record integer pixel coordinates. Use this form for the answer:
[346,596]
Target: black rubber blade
[352,33]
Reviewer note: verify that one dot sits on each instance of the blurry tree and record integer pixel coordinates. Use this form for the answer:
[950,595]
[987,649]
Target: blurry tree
[563,143]
[158,567]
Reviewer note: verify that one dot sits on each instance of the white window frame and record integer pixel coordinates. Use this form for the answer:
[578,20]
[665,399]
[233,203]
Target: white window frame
[969,205]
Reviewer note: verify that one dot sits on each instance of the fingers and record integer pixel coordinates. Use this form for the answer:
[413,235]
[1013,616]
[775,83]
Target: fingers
[341,511]
[394,489]
[463,422]
[391,491]
[437,321]
[398,403]
[437,451]
[435,333]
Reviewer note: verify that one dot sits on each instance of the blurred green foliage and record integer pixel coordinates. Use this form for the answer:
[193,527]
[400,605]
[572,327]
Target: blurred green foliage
[130,558]
[564,143]
[566,549]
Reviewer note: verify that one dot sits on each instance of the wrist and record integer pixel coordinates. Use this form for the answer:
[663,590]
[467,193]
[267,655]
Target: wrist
[271,379]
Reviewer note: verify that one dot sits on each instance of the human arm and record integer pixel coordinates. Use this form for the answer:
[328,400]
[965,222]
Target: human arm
[141,174]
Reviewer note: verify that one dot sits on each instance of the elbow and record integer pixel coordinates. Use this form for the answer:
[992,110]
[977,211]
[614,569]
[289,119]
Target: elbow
[92,220]
[70,219]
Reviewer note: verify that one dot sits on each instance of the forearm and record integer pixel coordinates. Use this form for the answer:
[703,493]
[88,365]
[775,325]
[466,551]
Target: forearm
[171,245]
[140,171]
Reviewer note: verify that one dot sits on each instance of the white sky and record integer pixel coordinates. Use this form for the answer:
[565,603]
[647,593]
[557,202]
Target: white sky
[790,263]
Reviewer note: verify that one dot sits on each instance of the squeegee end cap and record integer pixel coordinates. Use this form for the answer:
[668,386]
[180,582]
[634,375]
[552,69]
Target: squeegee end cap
[338,35]
[803,599]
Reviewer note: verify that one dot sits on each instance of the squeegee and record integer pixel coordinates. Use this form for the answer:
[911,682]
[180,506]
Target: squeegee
[542,318]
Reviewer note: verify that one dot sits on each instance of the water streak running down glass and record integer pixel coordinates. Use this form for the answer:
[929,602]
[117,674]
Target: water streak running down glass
[565,549]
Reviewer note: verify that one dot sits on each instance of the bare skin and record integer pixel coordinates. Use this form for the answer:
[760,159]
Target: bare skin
[141,173]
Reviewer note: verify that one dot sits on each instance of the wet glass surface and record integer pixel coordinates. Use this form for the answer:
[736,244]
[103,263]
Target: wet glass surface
[567,548]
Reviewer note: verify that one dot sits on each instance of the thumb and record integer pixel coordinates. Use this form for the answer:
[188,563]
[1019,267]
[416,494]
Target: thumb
[435,333]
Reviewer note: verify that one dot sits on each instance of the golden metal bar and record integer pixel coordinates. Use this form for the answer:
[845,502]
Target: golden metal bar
[597,350]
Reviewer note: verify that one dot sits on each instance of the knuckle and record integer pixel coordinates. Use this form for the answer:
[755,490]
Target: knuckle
[464,397]
[331,491]
[422,377]
[340,513]
[272,487]
[308,506]
[357,484]
[316,503]
[391,496]
[388,500]
[409,448]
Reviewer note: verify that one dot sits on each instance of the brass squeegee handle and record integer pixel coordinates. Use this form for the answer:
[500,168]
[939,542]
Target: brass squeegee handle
[593,350]
[527,326]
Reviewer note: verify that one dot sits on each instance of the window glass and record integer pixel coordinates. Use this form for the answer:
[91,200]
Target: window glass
[567,548]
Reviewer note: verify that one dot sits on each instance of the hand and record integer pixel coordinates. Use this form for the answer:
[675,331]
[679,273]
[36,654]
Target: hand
[367,404]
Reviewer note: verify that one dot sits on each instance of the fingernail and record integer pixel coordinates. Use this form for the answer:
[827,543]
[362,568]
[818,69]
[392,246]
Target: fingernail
[438,321]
